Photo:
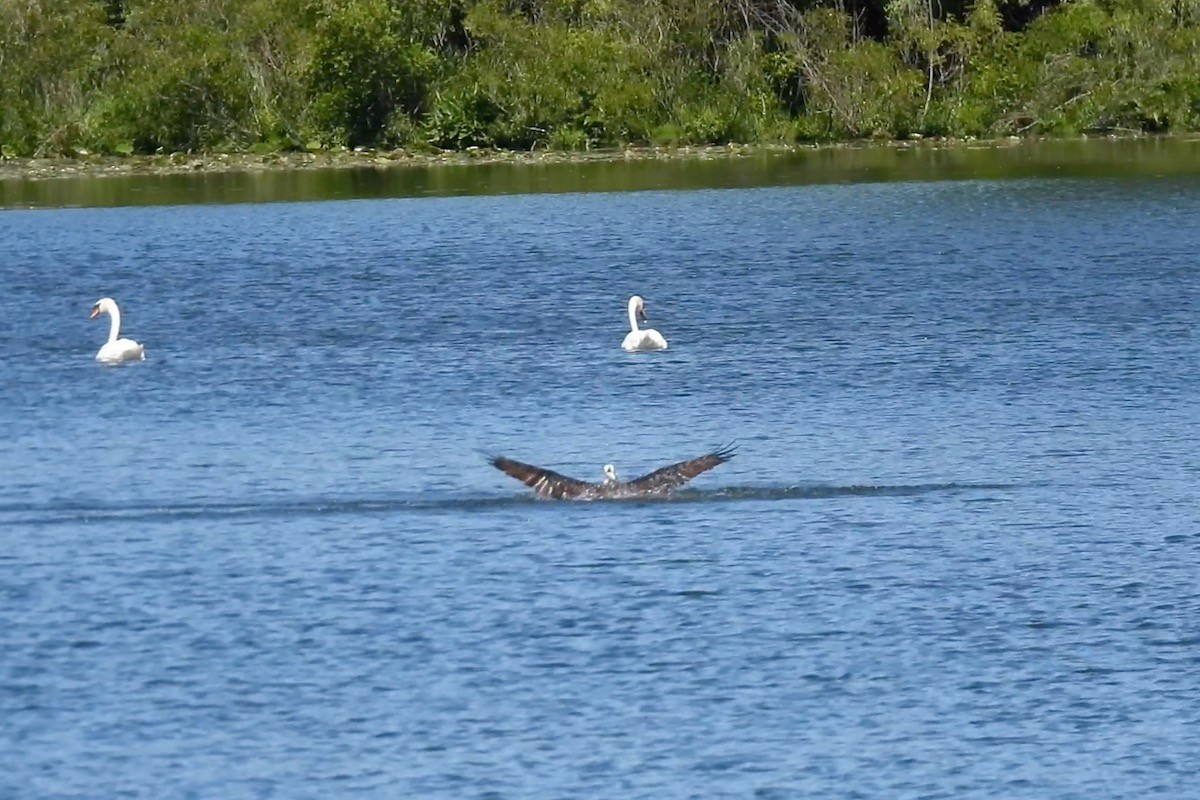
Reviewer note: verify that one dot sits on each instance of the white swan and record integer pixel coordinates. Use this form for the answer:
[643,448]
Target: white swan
[638,339]
[115,351]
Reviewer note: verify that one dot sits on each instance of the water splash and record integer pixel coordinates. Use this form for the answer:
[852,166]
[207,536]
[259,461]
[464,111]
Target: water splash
[75,513]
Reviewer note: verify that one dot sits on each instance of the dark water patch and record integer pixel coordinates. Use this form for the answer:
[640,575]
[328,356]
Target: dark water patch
[698,594]
[818,492]
[611,563]
[74,514]
[1184,642]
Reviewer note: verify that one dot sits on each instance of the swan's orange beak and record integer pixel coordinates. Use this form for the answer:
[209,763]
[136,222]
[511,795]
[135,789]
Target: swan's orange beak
[95,313]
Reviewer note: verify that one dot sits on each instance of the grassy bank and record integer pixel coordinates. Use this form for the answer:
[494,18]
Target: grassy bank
[129,84]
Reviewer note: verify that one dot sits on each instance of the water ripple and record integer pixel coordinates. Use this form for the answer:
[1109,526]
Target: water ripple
[71,514]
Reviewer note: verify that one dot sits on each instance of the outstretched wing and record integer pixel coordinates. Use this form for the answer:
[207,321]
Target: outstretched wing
[546,482]
[667,478]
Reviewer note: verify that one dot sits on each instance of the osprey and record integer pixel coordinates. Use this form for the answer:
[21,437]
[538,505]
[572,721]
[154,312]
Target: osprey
[551,485]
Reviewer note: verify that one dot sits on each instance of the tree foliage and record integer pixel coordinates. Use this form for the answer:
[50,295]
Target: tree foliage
[129,76]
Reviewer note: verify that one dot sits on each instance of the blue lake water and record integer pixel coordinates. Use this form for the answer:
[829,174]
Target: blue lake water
[957,555]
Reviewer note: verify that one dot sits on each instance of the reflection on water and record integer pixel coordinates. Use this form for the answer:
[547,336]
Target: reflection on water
[1084,158]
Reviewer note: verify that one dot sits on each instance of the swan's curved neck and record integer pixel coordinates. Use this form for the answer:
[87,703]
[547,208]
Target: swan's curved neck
[633,326]
[114,325]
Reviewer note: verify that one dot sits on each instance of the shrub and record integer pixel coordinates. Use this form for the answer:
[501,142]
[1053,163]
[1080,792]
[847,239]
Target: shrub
[850,88]
[49,70]
[181,89]
[368,63]
[524,86]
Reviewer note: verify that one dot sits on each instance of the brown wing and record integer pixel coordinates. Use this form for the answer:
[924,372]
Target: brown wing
[546,482]
[675,475]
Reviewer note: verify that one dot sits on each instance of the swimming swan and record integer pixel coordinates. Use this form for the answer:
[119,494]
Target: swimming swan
[638,339]
[551,485]
[116,351]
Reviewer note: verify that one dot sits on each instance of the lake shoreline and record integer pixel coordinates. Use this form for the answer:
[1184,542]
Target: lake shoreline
[87,165]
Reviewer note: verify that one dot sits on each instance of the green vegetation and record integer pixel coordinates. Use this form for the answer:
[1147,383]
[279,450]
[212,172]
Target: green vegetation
[144,76]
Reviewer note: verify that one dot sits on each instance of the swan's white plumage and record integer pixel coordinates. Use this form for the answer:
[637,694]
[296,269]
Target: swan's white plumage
[120,351]
[115,350]
[639,338]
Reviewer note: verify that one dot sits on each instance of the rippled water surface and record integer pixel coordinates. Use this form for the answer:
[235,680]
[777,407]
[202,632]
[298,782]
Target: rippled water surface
[956,555]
